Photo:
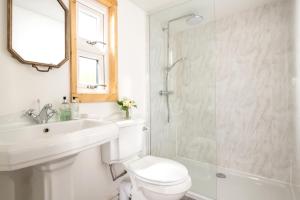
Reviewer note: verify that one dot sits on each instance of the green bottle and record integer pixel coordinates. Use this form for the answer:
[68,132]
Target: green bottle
[65,110]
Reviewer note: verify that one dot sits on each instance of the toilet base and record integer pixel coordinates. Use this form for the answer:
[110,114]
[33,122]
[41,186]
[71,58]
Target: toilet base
[126,192]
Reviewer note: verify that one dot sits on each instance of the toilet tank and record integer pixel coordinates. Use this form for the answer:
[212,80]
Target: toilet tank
[130,142]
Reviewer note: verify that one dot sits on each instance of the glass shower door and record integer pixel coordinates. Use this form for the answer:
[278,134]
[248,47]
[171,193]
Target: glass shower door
[182,91]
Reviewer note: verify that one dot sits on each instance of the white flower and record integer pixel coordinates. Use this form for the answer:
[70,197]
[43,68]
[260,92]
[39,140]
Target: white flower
[126,103]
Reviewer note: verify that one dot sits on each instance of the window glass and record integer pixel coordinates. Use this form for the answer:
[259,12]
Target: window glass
[93,58]
[88,71]
[87,26]
[91,26]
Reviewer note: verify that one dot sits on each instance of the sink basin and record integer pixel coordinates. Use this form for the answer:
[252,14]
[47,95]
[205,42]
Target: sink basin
[34,145]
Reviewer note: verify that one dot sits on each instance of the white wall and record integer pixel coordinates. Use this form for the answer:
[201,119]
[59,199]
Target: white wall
[21,85]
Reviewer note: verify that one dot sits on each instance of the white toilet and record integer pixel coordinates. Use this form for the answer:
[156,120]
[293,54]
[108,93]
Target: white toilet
[152,178]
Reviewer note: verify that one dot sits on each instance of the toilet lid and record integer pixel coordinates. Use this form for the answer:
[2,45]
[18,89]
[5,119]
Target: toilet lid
[158,170]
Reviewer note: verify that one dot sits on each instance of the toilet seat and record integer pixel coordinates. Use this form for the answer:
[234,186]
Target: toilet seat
[156,171]
[166,189]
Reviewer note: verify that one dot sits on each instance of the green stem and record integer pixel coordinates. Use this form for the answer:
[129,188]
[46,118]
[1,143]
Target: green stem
[127,114]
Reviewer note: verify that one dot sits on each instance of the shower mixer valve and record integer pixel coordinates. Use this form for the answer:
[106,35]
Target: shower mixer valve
[165,93]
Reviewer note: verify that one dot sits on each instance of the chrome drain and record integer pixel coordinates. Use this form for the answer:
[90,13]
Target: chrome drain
[220,175]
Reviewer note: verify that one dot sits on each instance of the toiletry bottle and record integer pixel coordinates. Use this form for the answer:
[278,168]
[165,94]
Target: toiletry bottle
[75,108]
[65,110]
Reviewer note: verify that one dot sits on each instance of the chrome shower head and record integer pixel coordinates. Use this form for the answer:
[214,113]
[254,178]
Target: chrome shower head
[194,19]
[191,19]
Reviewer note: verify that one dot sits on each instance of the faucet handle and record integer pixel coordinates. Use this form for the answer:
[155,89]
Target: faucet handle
[51,111]
[29,112]
[49,105]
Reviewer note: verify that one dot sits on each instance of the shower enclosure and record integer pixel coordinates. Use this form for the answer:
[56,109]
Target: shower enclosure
[222,98]
[182,70]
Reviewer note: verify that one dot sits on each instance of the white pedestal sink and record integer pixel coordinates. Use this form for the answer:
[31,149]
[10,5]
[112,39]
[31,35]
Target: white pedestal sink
[51,150]
[53,180]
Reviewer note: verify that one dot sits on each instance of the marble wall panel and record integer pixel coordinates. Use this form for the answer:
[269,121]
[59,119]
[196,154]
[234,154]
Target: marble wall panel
[232,96]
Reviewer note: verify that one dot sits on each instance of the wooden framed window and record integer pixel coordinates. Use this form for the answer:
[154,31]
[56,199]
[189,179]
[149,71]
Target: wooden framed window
[94,50]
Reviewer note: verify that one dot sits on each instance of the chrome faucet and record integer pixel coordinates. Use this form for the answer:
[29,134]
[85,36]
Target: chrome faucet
[43,117]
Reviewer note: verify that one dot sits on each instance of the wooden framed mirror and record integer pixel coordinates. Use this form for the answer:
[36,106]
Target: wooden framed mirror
[38,33]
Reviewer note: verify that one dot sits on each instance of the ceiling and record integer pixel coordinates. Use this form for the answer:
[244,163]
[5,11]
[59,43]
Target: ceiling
[222,7]
[153,5]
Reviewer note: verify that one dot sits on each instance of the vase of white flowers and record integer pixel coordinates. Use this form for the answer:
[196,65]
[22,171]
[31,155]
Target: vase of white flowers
[126,105]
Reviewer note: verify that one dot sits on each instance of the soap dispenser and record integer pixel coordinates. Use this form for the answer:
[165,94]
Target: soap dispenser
[65,110]
[75,108]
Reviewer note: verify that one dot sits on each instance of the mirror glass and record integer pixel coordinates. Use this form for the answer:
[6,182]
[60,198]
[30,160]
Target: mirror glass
[38,31]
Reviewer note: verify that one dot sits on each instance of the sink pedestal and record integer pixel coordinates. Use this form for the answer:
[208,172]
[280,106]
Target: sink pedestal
[53,180]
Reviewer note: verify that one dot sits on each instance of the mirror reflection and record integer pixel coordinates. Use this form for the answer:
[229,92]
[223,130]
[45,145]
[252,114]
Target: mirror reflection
[38,31]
